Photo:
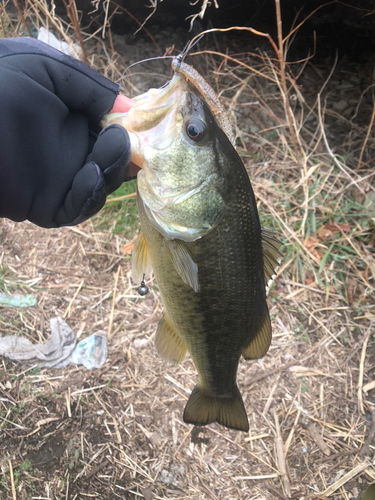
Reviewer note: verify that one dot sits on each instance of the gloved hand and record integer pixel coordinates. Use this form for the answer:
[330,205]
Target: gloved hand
[56,165]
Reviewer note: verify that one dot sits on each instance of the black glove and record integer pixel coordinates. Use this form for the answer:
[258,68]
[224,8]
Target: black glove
[56,166]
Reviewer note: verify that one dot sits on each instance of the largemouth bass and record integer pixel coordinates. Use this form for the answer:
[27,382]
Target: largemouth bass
[200,232]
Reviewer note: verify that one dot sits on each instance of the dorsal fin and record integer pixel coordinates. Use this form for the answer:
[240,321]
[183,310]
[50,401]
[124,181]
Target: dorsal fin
[271,253]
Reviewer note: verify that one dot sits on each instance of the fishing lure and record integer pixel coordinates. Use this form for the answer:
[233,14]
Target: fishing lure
[205,90]
[208,94]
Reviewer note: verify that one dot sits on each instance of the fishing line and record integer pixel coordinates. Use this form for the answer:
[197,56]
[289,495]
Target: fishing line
[179,58]
[149,59]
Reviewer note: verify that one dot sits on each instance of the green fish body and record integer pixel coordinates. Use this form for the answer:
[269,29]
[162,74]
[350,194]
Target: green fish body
[201,234]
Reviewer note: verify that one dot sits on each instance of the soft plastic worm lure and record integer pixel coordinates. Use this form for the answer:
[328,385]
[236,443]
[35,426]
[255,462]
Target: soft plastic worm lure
[206,91]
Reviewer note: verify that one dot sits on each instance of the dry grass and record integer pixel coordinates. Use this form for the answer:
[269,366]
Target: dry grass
[117,432]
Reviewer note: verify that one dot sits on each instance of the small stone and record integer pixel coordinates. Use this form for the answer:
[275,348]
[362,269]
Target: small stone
[155,439]
[354,79]
[138,343]
[340,105]
[345,86]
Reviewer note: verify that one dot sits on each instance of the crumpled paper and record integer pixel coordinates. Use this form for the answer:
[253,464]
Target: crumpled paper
[60,350]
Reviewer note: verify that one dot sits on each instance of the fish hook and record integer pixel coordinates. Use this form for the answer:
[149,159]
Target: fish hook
[186,49]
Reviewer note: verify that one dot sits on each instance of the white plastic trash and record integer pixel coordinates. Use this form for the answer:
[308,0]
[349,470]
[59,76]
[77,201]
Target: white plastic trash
[91,352]
[60,350]
[72,50]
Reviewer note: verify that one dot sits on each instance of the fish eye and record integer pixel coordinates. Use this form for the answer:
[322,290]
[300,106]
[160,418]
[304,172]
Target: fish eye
[195,130]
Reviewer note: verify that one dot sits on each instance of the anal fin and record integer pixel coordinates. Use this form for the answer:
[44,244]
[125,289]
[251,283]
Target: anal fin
[168,343]
[141,260]
[183,262]
[259,345]
[203,408]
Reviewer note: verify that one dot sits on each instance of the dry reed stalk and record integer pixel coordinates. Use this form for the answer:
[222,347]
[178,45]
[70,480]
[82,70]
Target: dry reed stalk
[5,14]
[109,333]
[14,495]
[366,139]
[121,198]
[334,487]
[361,371]
[281,460]
[280,55]
[68,309]
[20,13]
[72,13]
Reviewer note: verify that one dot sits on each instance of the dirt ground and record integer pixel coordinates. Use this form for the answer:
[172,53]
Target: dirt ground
[117,432]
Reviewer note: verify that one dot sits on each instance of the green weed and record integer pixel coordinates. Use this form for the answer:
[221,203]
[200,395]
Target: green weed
[119,217]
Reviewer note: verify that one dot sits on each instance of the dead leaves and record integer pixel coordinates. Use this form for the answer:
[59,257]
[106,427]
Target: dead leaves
[326,233]
[128,247]
[311,243]
[329,231]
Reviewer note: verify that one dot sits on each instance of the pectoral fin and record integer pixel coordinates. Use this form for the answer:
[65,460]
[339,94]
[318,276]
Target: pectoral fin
[168,343]
[183,262]
[141,261]
[259,345]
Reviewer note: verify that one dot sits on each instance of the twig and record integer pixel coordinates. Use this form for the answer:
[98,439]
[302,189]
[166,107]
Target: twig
[335,466]
[7,18]
[109,334]
[365,450]
[272,372]
[12,480]
[281,457]
[121,198]
[291,433]
[72,13]
[361,369]
[67,312]
[97,469]
[280,56]
[366,139]
[22,17]
[316,436]
[153,5]
[357,470]
[332,155]
[242,448]
[140,24]
[270,397]
[276,492]
[318,8]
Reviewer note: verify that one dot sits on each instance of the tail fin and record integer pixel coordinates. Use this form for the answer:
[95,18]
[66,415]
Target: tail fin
[203,409]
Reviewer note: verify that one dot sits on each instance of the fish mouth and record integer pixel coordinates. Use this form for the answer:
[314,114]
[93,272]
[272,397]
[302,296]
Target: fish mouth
[147,112]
